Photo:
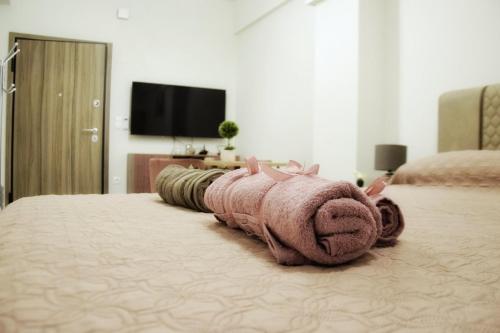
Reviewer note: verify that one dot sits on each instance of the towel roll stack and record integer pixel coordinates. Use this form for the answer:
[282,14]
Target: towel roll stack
[303,219]
[185,187]
[392,220]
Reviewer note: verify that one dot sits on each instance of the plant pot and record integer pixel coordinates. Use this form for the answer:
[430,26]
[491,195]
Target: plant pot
[228,155]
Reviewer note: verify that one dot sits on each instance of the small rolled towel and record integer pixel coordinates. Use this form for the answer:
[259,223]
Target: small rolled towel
[302,218]
[185,187]
[392,220]
[391,215]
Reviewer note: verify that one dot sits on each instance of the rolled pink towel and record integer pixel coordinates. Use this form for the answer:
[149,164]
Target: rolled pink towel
[302,218]
[392,218]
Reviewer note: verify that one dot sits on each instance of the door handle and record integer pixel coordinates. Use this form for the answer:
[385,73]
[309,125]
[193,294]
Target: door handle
[94,130]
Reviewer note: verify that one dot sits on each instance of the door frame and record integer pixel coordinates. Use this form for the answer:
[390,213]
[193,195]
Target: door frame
[13,36]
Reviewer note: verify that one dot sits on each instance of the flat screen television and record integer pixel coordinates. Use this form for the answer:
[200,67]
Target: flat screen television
[168,110]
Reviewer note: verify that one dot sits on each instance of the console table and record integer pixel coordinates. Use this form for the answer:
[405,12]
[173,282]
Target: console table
[138,169]
[236,164]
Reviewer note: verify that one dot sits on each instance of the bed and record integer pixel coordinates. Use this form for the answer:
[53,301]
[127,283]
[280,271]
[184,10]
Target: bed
[130,263]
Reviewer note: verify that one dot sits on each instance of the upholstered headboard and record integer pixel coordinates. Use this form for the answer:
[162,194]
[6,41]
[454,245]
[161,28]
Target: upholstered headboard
[470,119]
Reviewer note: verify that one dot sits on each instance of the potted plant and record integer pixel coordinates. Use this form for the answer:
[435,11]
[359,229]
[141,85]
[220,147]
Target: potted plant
[360,178]
[228,130]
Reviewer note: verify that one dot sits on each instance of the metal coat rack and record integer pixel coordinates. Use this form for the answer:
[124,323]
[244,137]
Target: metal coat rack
[13,52]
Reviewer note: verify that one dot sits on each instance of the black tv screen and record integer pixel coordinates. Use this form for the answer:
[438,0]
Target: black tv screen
[168,110]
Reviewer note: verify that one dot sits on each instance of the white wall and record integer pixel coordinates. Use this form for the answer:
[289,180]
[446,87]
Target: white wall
[444,45]
[304,75]
[275,85]
[187,42]
[322,84]
[379,68]
[248,12]
[412,51]
[336,88]
[378,80]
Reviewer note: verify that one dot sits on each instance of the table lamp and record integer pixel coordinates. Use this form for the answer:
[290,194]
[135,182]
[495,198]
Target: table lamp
[389,157]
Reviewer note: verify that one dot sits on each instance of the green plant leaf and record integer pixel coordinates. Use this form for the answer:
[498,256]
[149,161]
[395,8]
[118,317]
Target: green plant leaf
[228,129]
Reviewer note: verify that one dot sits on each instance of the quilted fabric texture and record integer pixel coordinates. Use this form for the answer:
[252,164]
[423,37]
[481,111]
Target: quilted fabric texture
[130,263]
[491,118]
[456,168]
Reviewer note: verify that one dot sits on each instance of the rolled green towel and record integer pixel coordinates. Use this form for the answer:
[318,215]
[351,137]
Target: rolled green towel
[197,185]
[179,187]
[185,187]
[165,180]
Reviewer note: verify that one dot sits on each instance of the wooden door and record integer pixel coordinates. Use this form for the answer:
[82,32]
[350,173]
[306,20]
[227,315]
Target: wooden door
[88,110]
[26,145]
[58,106]
[57,117]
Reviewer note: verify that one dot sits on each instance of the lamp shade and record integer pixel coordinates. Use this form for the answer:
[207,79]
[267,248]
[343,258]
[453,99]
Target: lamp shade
[389,157]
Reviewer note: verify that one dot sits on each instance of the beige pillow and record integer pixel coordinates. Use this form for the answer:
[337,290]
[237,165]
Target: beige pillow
[455,168]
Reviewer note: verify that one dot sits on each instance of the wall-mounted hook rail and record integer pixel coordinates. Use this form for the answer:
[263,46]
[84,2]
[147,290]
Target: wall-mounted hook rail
[13,52]
[13,48]
[10,57]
